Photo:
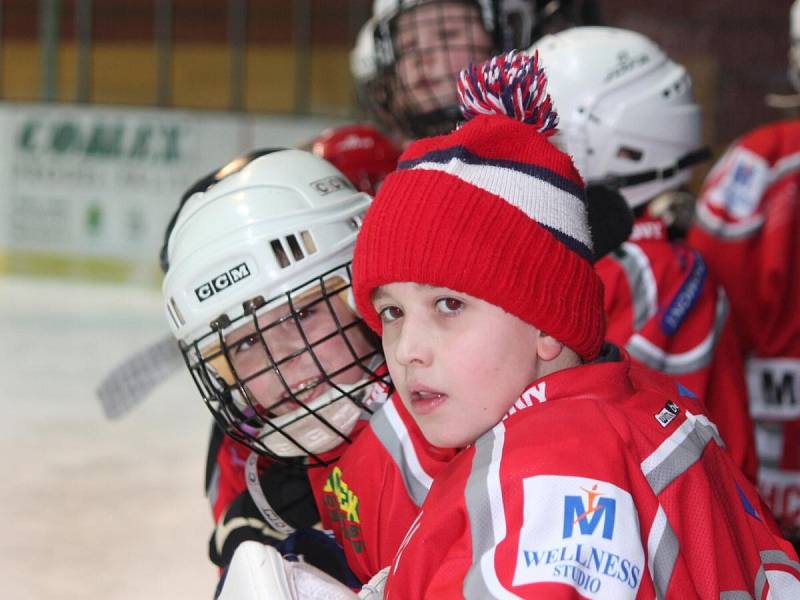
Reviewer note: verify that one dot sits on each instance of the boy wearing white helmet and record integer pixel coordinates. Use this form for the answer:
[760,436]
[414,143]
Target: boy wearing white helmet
[419,47]
[629,120]
[257,292]
[746,225]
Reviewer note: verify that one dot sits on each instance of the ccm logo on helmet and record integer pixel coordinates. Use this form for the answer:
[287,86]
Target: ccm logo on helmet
[221,282]
[331,184]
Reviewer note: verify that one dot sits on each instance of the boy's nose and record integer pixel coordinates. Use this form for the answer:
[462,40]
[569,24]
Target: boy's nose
[413,345]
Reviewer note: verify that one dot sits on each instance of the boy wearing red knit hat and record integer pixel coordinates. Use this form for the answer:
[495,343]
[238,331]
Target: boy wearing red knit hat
[581,475]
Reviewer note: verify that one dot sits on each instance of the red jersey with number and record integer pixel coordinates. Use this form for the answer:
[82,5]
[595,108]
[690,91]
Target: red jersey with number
[747,227]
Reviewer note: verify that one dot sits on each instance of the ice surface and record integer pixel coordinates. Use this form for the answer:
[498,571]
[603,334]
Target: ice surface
[95,509]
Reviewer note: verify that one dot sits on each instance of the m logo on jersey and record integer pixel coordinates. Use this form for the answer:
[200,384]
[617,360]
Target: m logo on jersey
[592,544]
[742,178]
[587,516]
[742,174]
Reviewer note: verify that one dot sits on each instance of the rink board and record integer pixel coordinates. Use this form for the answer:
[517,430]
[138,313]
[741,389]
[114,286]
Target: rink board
[87,192]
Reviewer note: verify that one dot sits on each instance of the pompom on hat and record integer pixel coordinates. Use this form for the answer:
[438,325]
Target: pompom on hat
[493,210]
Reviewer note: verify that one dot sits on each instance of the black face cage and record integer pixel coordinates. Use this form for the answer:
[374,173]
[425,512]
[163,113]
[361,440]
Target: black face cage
[429,104]
[231,400]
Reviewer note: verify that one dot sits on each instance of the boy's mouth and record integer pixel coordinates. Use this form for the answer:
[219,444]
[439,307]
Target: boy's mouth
[302,393]
[424,401]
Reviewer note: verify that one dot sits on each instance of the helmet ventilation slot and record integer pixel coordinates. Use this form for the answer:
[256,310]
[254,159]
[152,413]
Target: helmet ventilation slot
[308,242]
[295,252]
[628,153]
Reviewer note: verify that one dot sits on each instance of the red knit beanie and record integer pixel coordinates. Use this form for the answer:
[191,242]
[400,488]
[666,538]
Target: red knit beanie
[493,210]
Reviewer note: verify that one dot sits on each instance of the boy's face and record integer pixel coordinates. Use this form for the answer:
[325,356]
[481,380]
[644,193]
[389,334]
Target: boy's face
[302,368]
[433,42]
[457,362]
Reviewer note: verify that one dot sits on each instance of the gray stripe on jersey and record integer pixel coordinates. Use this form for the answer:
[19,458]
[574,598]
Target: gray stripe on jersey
[479,510]
[663,547]
[390,438]
[679,452]
[779,557]
[697,358]
[641,281]
[735,596]
[483,487]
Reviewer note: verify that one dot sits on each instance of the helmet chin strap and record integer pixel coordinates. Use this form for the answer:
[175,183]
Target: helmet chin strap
[689,159]
[260,500]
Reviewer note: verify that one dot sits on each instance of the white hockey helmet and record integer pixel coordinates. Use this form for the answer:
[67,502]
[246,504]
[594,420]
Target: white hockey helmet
[369,82]
[794,45]
[249,259]
[627,115]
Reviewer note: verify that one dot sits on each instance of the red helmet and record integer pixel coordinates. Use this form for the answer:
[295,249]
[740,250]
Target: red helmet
[360,151]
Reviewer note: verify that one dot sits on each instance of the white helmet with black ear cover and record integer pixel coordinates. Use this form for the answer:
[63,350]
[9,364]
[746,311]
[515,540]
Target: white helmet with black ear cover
[257,292]
[627,113]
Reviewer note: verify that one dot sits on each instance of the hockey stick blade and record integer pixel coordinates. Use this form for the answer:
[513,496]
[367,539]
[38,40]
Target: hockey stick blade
[131,381]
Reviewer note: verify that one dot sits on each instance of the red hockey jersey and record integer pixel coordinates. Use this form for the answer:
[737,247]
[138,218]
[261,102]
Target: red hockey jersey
[246,514]
[374,491]
[747,229]
[603,481]
[669,315]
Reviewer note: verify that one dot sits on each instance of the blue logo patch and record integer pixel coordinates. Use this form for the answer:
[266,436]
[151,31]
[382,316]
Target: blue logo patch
[596,548]
[744,178]
[588,516]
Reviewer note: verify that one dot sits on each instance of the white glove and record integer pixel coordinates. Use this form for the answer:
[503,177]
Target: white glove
[259,572]
[373,590]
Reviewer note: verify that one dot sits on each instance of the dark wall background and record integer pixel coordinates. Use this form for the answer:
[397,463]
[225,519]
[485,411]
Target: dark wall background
[735,49]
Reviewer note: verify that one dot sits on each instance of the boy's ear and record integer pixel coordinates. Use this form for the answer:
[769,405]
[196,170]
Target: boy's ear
[548,347]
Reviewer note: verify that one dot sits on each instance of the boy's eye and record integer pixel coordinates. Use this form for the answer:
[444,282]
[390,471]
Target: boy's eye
[304,313]
[449,306]
[390,313]
[244,344]
[450,34]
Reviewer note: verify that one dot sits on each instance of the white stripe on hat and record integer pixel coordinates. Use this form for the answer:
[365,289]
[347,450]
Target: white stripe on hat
[541,201]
